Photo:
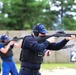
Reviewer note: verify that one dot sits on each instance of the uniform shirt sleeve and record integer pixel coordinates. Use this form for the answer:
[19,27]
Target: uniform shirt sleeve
[57,46]
[1,46]
[32,44]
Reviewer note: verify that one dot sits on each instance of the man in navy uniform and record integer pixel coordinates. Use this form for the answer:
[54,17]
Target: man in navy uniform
[32,52]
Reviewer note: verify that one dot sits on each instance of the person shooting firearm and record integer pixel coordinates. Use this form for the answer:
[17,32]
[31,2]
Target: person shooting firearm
[6,54]
[34,49]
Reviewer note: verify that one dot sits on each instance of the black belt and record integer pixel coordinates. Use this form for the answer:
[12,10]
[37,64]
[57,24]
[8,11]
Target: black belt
[28,69]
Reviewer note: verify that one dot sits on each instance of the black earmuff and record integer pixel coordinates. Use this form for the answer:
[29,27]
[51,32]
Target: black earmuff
[3,38]
[36,32]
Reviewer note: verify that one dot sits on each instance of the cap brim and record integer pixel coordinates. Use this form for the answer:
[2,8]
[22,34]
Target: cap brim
[7,39]
[44,31]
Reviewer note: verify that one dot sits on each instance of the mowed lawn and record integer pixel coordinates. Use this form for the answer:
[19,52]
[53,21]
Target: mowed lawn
[54,65]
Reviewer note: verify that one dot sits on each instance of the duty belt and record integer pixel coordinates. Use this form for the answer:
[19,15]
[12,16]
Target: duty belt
[28,69]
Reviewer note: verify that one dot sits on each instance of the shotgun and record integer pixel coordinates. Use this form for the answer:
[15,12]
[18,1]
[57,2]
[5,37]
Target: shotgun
[57,34]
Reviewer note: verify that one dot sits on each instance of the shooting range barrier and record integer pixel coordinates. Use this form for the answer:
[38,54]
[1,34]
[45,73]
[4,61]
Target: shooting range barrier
[62,56]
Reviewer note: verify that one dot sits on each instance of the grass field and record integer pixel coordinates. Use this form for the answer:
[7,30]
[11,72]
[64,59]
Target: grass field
[57,65]
[55,68]
[54,65]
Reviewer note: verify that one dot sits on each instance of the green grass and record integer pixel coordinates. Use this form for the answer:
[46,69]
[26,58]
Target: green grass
[57,65]
[18,66]
[54,65]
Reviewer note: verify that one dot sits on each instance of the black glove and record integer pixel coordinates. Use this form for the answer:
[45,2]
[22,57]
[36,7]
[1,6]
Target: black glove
[12,46]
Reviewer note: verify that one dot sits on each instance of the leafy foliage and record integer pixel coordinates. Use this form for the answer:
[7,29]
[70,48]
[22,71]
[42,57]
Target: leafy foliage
[24,14]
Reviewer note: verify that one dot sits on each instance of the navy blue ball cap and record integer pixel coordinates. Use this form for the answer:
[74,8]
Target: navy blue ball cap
[4,37]
[40,28]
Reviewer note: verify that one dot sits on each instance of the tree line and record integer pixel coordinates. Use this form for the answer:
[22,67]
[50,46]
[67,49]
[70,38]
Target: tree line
[24,14]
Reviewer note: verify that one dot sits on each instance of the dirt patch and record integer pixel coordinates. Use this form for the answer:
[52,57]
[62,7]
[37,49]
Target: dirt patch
[62,71]
[66,71]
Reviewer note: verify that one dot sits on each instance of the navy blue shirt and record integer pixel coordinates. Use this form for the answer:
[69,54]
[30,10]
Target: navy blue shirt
[33,45]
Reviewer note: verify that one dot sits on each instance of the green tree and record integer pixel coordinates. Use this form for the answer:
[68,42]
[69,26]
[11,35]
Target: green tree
[66,7]
[24,14]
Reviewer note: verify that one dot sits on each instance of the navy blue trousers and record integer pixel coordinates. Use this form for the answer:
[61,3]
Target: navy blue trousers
[26,71]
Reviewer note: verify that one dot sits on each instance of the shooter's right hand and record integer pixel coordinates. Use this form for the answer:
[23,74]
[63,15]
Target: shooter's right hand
[51,39]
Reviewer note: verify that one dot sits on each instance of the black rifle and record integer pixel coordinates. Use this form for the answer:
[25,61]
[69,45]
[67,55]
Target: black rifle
[57,34]
[14,39]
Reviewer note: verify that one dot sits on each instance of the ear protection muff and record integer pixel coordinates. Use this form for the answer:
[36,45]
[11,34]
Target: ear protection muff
[3,38]
[36,32]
